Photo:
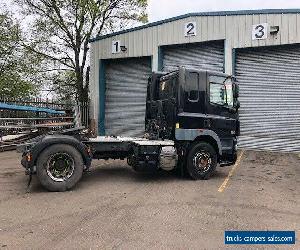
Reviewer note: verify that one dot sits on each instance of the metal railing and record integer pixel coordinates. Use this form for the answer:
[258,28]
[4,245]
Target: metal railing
[14,121]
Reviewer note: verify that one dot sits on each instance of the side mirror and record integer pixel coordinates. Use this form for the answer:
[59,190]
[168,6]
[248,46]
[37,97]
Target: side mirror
[236,90]
[235,108]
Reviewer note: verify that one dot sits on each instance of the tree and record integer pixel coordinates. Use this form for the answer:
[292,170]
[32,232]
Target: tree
[17,66]
[61,30]
[62,86]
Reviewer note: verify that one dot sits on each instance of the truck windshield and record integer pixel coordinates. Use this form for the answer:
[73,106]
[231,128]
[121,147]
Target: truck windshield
[221,91]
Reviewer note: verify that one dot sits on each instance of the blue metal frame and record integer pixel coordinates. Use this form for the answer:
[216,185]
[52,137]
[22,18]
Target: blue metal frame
[7,106]
[151,63]
[102,89]
[160,58]
[224,56]
[217,13]
[233,61]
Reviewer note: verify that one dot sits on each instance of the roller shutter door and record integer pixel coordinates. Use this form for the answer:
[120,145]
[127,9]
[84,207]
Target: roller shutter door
[269,81]
[209,56]
[126,89]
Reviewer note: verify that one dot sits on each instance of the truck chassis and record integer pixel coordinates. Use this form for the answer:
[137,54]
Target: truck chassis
[59,160]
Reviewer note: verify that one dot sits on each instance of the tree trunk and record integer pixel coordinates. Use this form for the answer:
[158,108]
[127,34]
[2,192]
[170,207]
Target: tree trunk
[87,83]
[82,93]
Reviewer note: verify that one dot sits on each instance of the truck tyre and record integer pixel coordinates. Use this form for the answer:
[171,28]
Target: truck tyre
[59,167]
[201,161]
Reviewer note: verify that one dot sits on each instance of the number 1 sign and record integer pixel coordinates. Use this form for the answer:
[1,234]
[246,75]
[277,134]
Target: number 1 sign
[260,31]
[116,47]
[190,29]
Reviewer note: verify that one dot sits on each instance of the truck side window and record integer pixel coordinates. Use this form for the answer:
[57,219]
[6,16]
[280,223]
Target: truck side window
[217,93]
[220,91]
[192,86]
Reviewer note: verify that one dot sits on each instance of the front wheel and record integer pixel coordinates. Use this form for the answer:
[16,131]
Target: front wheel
[201,161]
[59,167]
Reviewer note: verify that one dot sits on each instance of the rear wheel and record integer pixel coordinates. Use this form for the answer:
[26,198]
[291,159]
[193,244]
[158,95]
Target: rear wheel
[59,167]
[201,161]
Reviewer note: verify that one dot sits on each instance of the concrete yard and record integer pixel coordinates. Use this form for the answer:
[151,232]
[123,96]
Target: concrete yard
[115,208]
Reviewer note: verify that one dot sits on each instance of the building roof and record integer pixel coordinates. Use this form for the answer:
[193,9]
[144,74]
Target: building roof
[215,13]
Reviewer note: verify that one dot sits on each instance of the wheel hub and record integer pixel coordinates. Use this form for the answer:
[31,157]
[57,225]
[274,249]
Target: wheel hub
[60,167]
[202,161]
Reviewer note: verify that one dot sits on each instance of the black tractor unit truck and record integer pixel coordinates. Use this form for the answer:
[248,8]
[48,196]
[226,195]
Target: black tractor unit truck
[191,125]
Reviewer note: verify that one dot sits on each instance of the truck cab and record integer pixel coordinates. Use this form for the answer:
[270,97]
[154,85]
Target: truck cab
[192,105]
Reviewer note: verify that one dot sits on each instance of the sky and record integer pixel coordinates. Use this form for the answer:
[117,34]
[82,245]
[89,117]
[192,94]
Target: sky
[162,9]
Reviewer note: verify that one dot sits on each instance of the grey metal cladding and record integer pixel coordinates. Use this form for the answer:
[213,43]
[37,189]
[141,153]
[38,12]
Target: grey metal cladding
[126,88]
[269,81]
[208,56]
[199,14]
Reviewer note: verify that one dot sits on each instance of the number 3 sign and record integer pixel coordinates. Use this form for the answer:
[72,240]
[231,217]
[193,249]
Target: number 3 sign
[260,31]
[190,29]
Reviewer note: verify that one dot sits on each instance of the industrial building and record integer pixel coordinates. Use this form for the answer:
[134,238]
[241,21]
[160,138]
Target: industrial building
[260,47]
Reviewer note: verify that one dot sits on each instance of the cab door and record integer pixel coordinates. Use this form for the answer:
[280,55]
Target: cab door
[168,100]
[194,96]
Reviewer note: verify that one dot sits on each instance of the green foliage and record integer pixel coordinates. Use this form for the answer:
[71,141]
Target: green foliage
[17,73]
[62,87]
[61,30]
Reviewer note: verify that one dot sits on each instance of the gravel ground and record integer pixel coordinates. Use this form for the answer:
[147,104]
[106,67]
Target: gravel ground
[115,208]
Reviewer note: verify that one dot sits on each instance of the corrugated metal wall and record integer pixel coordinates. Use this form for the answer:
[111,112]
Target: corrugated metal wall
[269,81]
[126,88]
[236,30]
[208,56]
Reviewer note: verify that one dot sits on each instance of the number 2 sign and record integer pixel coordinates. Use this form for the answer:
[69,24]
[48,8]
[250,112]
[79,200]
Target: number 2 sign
[190,29]
[260,31]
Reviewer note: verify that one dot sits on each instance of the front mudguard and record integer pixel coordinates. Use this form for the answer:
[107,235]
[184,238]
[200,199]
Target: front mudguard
[229,158]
